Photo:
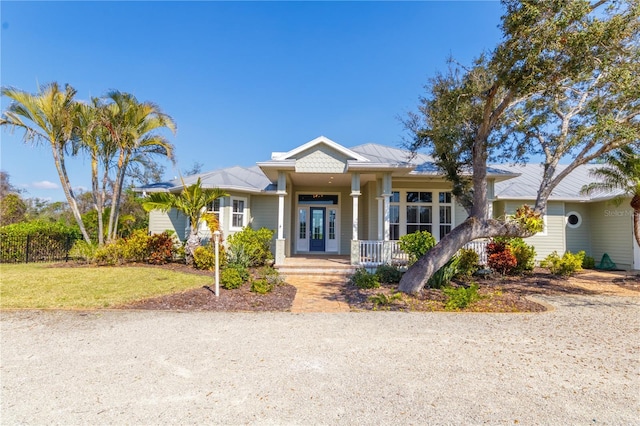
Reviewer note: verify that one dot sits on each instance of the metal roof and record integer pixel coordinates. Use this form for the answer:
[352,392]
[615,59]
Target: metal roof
[525,186]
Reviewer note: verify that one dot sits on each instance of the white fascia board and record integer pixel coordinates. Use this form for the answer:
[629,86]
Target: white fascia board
[317,141]
[355,166]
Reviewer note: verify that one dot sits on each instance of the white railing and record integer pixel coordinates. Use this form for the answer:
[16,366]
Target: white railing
[480,247]
[374,253]
[371,253]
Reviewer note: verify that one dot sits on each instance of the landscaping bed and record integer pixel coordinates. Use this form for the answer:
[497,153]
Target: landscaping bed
[497,293]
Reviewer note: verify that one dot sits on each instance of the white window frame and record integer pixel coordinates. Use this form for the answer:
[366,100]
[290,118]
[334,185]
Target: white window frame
[233,213]
[218,213]
[576,214]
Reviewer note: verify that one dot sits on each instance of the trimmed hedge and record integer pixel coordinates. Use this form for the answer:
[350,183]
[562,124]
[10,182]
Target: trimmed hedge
[36,241]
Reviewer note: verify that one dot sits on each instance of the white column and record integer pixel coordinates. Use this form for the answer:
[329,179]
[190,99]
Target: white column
[380,218]
[355,193]
[281,217]
[282,192]
[386,194]
[387,216]
[355,216]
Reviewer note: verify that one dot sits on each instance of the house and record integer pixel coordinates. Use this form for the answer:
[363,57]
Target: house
[324,198]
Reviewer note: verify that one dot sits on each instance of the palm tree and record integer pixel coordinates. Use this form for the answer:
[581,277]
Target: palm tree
[192,202]
[90,136]
[131,128]
[621,172]
[47,116]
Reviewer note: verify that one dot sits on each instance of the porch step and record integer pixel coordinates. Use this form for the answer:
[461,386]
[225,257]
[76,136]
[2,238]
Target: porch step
[317,266]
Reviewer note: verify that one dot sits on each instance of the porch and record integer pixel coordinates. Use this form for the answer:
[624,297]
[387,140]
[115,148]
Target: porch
[373,253]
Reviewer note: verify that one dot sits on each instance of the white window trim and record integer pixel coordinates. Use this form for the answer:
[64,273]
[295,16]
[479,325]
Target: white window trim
[219,212]
[578,215]
[435,209]
[543,233]
[245,213]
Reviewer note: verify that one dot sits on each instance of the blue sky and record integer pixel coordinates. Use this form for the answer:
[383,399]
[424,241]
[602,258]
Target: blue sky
[241,79]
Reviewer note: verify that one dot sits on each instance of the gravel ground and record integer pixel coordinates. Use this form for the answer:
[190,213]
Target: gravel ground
[577,364]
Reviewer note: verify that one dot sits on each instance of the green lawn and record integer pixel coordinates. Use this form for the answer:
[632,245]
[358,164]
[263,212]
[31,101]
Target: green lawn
[39,286]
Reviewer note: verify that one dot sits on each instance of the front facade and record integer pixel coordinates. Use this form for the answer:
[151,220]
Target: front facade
[322,198]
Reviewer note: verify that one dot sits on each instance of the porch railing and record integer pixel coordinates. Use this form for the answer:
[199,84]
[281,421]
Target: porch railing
[374,253]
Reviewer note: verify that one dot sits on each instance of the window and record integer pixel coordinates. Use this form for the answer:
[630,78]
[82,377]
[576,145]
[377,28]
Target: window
[574,220]
[394,216]
[332,224]
[215,208]
[303,224]
[444,198]
[237,212]
[419,215]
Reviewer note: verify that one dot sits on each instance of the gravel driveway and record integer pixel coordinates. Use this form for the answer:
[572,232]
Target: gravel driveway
[577,364]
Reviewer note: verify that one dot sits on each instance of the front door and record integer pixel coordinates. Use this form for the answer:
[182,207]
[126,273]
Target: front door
[317,241]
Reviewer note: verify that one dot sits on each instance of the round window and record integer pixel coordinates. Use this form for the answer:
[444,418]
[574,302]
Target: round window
[574,219]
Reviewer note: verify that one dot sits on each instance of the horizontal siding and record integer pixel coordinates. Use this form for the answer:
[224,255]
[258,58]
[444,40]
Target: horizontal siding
[553,237]
[578,238]
[170,221]
[612,233]
[459,214]
[264,212]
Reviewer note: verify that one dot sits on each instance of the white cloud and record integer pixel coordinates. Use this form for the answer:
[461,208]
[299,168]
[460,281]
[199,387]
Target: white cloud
[44,184]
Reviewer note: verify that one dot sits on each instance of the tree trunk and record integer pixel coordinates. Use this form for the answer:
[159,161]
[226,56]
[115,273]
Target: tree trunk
[419,273]
[635,204]
[58,158]
[193,242]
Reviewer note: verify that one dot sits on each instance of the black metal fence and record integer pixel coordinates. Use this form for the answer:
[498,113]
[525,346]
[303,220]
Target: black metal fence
[35,248]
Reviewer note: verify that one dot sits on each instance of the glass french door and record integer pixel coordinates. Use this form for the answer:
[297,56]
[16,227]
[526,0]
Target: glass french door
[317,242]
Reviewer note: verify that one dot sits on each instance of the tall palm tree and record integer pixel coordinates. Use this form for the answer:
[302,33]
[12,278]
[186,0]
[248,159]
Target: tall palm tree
[47,116]
[192,202]
[622,171]
[132,129]
[90,136]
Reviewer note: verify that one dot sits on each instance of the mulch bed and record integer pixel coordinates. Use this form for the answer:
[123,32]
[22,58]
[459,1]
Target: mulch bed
[498,294]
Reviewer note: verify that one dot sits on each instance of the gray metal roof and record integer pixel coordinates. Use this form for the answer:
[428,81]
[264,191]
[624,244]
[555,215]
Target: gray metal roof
[517,182]
[525,186]
[247,179]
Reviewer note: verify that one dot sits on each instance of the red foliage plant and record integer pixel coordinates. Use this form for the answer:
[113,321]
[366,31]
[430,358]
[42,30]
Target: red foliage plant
[500,258]
[160,248]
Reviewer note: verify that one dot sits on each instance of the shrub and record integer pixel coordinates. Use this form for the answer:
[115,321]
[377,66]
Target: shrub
[566,265]
[363,279]
[261,286]
[83,250]
[388,274]
[47,240]
[162,248]
[443,276]
[242,271]
[500,258]
[460,298]
[524,254]
[254,244]
[110,254]
[204,258]
[416,244]
[272,276]
[468,262]
[230,278]
[383,300]
[588,262]
[135,248]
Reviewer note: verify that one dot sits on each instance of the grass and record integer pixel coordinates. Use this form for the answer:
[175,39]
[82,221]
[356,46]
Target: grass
[37,286]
